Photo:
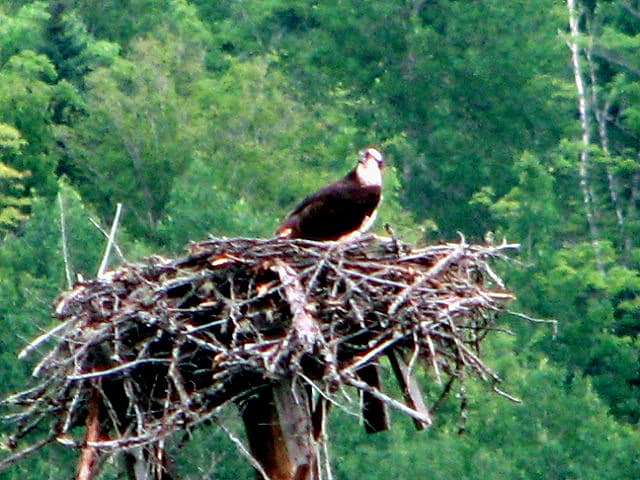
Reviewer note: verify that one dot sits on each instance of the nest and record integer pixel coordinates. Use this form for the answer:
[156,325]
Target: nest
[165,344]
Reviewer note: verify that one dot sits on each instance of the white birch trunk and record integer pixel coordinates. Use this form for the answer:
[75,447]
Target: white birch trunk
[600,115]
[631,207]
[584,167]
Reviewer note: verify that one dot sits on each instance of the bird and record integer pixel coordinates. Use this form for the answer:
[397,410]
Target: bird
[343,209]
[340,211]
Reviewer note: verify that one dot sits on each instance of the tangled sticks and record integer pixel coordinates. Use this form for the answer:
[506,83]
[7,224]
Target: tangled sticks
[161,346]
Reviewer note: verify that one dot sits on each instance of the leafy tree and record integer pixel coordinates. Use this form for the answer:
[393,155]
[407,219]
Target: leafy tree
[22,29]
[25,99]
[259,158]
[529,210]
[553,434]
[65,42]
[123,22]
[135,138]
[448,76]
[13,203]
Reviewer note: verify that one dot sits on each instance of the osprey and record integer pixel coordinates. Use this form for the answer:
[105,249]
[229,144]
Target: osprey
[342,209]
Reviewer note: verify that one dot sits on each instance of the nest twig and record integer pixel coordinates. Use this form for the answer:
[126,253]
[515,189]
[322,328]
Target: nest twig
[166,343]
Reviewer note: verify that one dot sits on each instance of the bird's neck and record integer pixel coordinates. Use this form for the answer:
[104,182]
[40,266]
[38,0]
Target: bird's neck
[368,173]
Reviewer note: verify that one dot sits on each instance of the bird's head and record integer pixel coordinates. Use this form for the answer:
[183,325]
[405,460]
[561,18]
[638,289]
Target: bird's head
[371,154]
[370,163]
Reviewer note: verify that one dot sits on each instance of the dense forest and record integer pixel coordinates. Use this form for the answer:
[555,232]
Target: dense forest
[499,119]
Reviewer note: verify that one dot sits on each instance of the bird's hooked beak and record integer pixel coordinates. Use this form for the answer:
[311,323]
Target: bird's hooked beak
[371,153]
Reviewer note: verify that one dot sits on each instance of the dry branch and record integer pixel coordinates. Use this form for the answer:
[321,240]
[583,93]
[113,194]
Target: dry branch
[165,344]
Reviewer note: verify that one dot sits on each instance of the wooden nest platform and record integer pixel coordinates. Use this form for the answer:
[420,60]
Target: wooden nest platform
[161,346]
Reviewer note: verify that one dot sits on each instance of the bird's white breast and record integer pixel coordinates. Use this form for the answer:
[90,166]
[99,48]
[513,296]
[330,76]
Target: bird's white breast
[368,173]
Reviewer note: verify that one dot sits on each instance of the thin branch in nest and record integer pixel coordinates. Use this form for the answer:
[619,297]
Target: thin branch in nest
[433,358]
[116,370]
[117,248]
[58,330]
[360,385]
[329,398]
[303,326]
[504,394]
[552,322]
[371,355]
[63,239]
[25,452]
[110,241]
[243,449]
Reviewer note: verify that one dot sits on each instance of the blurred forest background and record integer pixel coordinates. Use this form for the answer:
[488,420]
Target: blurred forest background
[520,118]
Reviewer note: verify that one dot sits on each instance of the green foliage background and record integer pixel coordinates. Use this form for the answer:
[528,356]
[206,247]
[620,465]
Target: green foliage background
[217,116]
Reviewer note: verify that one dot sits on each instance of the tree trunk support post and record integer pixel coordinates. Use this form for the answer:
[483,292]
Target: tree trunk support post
[279,428]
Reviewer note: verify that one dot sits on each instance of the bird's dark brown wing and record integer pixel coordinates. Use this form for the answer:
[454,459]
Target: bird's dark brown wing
[332,212]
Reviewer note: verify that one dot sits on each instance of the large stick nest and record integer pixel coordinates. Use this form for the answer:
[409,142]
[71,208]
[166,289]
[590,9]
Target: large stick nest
[166,343]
